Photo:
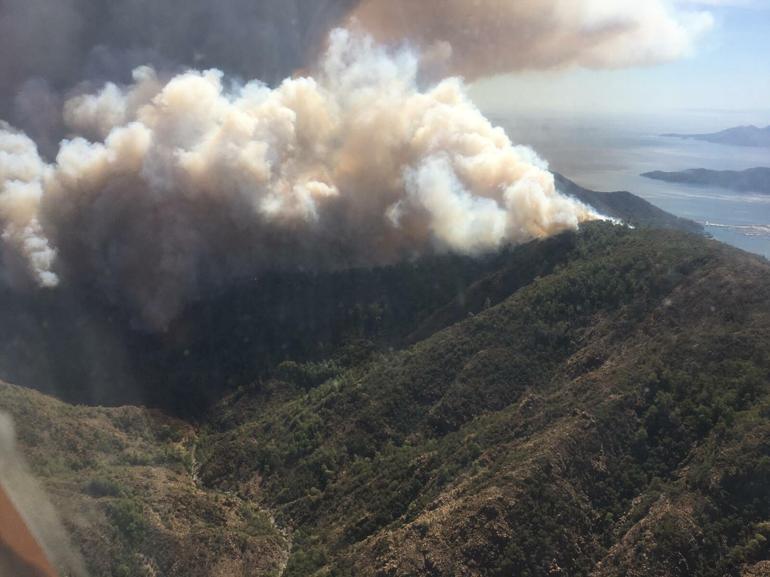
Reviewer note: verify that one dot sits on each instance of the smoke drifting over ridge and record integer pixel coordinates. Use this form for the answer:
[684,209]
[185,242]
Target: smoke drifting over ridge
[188,182]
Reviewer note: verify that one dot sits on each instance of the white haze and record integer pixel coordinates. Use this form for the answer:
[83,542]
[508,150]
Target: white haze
[171,186]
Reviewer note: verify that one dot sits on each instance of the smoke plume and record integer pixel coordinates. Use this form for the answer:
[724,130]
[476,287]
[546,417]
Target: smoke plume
[486,37]
[172,186]
[160,183]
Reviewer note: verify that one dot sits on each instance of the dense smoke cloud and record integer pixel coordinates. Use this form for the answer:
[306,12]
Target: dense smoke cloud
[22,173]
[486,37]
[179,184]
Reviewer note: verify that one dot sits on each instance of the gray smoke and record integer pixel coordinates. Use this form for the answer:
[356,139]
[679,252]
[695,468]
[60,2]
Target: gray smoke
[60,44]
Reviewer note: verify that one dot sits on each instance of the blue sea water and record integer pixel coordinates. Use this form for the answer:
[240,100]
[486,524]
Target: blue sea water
[609,154]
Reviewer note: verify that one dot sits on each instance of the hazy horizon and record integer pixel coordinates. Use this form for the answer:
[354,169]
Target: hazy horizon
[600,153]
[725,71]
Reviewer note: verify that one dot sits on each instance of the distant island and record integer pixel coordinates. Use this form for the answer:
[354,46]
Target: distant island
[750,180]
[739,136]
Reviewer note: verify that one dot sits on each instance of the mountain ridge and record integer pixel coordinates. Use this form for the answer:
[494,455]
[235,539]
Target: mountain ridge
[596,404]
[750,136]
[627,207]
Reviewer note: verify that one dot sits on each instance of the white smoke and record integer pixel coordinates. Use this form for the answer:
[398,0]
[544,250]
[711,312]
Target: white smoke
[22,173]
[171,186]
[486,37]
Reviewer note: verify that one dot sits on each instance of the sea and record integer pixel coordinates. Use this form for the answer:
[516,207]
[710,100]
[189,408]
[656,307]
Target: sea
[610,152]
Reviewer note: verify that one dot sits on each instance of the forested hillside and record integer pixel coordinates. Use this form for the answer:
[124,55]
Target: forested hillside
[594,404]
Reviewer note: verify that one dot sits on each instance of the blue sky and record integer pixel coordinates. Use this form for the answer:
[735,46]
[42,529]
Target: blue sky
[728,73]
